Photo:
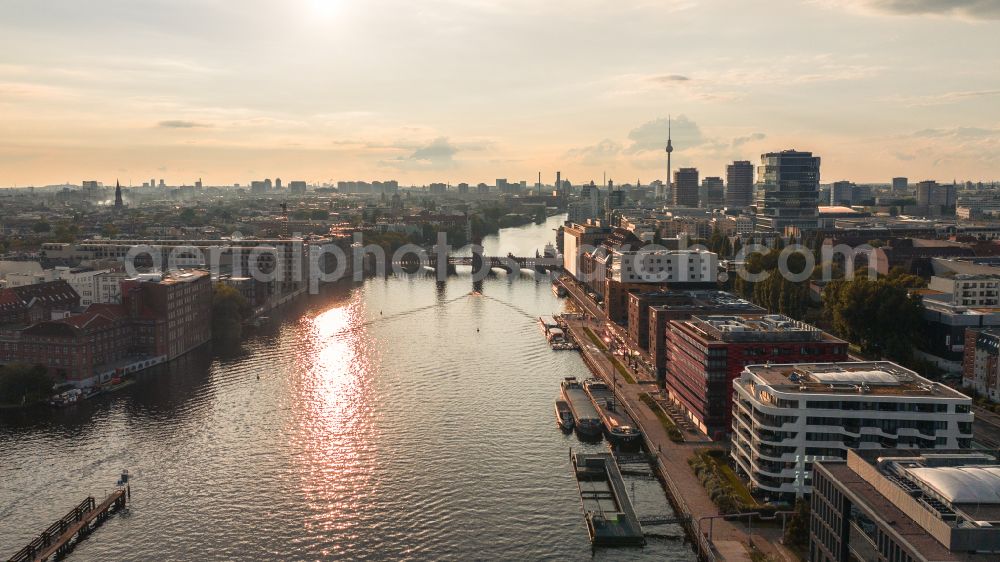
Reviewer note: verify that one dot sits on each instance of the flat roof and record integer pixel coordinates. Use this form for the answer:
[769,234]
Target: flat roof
[898,521]
[877,378]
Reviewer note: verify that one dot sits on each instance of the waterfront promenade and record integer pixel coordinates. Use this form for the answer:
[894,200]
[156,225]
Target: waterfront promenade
[730,540]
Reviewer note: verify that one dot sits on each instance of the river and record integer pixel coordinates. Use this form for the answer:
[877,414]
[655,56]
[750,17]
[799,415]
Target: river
[397,418]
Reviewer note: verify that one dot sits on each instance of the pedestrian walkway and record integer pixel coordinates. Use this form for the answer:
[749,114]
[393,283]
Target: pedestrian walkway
[729,538]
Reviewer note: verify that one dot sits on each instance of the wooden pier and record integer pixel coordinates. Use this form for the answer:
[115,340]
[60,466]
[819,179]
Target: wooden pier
[60,537]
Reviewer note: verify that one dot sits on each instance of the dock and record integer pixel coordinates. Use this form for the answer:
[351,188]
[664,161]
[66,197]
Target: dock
[62,536]
[611,519]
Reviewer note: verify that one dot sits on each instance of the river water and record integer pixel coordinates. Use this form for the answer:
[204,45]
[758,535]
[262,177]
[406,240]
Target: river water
[397,418]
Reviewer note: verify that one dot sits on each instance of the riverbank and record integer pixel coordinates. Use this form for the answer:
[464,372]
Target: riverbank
[729,541]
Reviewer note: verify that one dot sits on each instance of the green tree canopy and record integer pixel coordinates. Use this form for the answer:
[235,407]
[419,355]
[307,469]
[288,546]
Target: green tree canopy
[879,316]
[229,310]
[24,384]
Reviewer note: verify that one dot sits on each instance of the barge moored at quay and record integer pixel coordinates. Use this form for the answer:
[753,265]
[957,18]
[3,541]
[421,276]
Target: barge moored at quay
[618,425]
[585,416]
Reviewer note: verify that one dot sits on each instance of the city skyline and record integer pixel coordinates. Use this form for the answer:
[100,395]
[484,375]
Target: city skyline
[339,90]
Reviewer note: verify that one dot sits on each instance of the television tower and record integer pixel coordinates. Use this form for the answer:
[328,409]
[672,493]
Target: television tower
[670,148]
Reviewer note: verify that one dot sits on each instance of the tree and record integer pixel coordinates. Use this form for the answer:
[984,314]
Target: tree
[879,316]
[67,232]
[727,248]
[24,384]
[41,226]
[797,530]
[229,310]
[899,277]
[188,216]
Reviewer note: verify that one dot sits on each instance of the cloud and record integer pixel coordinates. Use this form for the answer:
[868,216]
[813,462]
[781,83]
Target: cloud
[436,154]
[740,141]
[438,150]
[30,90]
[955,146]
[652,135]
[962,133]
[180,124]
[966,9]
[599,153]
[943,99]
[667,78]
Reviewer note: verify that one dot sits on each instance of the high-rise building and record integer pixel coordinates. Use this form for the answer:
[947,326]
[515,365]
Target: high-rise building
[925,191]
[739,184]
[789,195]
[934,196]
[842,193]
[118,195]
[712,193]
[900,184]
[685,191]
[277,183]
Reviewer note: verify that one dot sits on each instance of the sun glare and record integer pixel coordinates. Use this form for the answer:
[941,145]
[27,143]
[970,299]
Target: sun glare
[324,8]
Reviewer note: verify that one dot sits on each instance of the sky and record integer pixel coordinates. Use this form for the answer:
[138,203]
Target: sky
[474,90]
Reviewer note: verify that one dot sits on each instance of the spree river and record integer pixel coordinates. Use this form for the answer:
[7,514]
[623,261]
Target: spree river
[397,418]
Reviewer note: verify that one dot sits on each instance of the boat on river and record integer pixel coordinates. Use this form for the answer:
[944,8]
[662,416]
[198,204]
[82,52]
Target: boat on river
[585,416]
[618,425]
[564,416]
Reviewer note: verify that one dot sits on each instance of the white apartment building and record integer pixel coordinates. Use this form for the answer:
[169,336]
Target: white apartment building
[664,266]
[786,417]
[969,289]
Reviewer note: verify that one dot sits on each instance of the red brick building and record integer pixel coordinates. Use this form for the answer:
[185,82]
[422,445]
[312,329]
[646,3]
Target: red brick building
[171,314]
[706,353]
[662,307]
[74,347]
[162,317]
[28,304]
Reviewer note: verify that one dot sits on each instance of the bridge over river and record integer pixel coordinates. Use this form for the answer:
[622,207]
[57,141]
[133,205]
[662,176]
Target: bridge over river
[509,263]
